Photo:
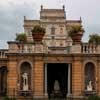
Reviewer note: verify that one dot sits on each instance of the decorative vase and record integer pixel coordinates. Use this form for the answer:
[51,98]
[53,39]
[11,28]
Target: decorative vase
[38,37]
[77,37]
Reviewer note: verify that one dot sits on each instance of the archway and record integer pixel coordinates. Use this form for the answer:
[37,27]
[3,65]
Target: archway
[58,80]
[89,76]
[3,80]
[25,76]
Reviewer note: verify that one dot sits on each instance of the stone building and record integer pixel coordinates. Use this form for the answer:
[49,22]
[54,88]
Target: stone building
[58,63]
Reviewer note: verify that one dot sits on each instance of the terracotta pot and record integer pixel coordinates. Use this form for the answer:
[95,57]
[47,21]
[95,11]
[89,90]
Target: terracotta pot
[77,37]
[37,37]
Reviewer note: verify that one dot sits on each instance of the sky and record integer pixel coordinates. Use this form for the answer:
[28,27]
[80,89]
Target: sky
[12,13]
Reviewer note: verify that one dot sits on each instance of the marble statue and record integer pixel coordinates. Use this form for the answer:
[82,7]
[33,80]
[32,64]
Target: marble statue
[89,86]
[25,81]
[56,86]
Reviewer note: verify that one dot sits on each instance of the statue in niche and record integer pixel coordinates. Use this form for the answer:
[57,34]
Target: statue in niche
[89,86]
[25,81]
[56,86]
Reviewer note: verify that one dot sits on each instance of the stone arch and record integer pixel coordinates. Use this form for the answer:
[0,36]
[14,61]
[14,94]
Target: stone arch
[3,80]
[89,73]
[22,61]
[25,70]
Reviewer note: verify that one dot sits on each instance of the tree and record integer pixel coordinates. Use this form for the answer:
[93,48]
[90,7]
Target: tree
[21,37]
[94,38]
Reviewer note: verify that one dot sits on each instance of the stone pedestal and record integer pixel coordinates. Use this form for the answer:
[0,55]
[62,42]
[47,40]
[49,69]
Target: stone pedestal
[38,47]
[76,48]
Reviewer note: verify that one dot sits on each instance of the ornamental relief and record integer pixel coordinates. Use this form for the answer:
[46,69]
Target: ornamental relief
[58,60]
[25,58]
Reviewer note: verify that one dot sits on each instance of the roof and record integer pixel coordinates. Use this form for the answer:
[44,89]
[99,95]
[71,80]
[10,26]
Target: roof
[52,13]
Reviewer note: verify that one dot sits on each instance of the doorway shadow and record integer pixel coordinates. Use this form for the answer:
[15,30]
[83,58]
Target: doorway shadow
[57,80]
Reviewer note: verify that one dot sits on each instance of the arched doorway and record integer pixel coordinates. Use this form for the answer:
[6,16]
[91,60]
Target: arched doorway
[25,76]
[3,80]
[89,76]
[58,80]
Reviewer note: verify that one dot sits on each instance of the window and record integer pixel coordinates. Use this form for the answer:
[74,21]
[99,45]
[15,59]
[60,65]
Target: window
[61,30]
[53,30]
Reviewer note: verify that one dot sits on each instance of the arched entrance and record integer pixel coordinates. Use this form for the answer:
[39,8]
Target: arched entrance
[3,80]
[58,80]
[89,76]
[25,76]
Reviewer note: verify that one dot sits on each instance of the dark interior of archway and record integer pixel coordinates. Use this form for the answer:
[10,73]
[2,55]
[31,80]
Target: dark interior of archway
[3,80]
[59,72]
[90,74]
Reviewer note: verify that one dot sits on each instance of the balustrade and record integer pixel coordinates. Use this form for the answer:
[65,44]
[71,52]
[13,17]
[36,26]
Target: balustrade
[83,48]
[89,48]
[2,53]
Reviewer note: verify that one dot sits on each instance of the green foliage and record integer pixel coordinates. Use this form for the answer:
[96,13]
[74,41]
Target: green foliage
[6,98]
[13,99]
[94,97]
[21,37]
[38,29]
[94,38]
[74,29]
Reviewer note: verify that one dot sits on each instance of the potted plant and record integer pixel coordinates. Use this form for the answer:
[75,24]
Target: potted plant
[38,32]
[21,37]
[76,33]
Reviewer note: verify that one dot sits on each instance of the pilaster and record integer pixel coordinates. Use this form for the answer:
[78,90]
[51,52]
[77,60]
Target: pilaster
[38,78]
[76,78]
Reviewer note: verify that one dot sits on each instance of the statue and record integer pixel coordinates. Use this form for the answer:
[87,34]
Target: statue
[25,81]
[56,86]
[89,86]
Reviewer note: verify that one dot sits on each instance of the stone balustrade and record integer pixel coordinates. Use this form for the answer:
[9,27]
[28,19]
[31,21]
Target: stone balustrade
[84,48]
[3,53]
[90,48]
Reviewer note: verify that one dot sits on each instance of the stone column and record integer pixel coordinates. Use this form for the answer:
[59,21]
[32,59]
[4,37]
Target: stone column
[45,79]
[83,49]
[69,80]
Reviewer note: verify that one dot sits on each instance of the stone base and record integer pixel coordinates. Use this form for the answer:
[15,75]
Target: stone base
[88,93]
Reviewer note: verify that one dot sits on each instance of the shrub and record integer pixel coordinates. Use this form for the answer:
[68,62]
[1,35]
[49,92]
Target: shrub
[38,29]
[6,98]
[94,97]
[74,29]
[21,37]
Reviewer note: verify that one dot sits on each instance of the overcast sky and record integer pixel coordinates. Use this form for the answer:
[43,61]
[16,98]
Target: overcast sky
[12,12]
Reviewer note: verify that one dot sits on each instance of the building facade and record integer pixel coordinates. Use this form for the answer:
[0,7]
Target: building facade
[56,66]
